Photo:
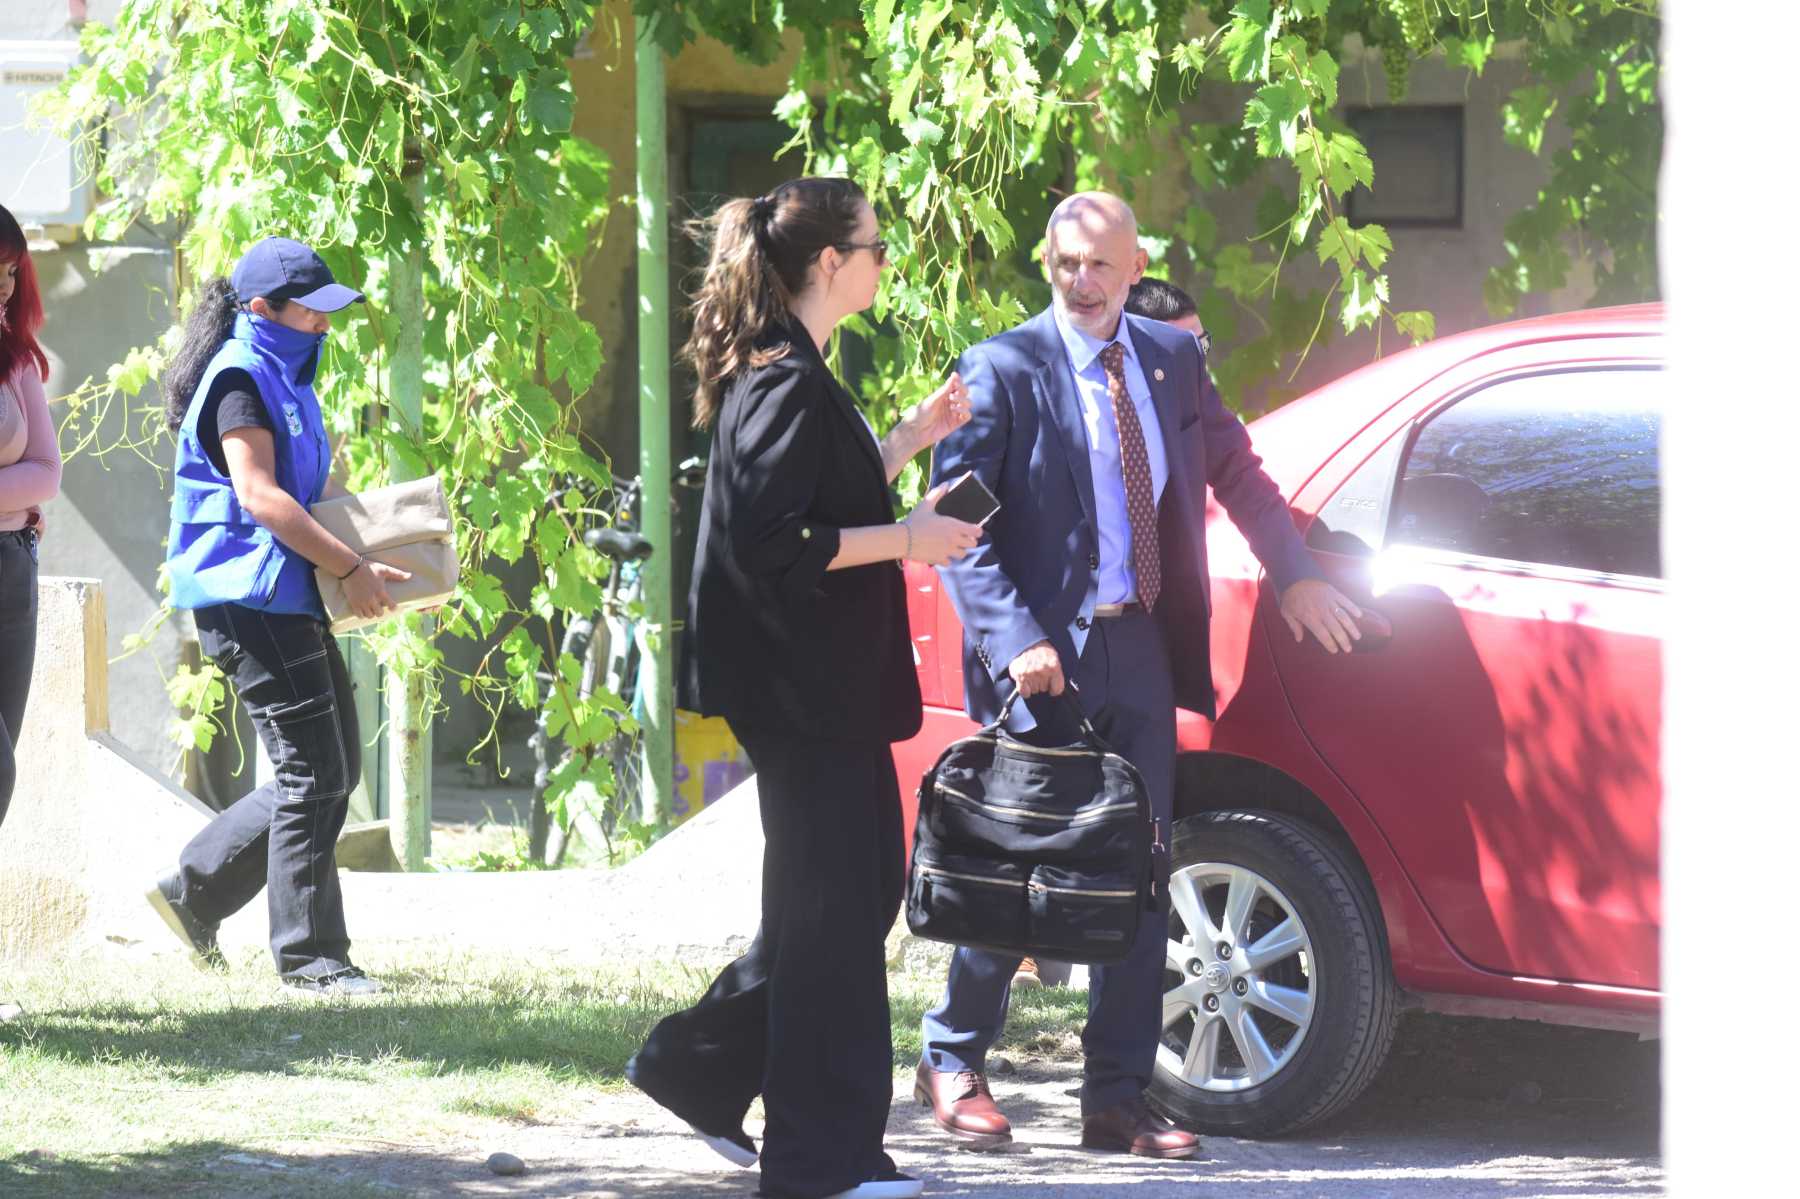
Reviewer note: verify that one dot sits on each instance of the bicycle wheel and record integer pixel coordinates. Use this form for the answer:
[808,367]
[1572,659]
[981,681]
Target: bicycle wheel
[625,754]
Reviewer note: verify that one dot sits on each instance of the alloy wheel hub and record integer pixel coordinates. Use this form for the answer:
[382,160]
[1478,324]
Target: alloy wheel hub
[1240,998]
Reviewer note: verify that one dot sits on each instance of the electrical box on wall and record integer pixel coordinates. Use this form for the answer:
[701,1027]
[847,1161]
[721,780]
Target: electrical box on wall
[39,177]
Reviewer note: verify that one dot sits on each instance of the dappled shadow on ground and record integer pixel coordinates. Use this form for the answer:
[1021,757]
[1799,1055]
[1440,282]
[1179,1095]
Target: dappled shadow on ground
[223,1169]
[1525,1086]
[1468,1109]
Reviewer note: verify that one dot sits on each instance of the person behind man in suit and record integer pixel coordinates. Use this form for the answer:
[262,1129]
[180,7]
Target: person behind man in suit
[1158,300]
[797,635]
[1099,433]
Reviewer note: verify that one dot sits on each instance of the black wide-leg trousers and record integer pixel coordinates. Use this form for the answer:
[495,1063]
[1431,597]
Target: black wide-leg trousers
[802,1017]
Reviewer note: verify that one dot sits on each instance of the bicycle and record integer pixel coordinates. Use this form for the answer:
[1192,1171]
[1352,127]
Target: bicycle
[605,642]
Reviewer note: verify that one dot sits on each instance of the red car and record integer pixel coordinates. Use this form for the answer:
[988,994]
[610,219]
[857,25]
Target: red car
[1461,815]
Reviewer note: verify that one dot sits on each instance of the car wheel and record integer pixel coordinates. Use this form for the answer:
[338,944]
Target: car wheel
[1278,1002]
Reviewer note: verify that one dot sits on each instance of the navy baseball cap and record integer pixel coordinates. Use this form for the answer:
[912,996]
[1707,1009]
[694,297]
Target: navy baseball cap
[280,268]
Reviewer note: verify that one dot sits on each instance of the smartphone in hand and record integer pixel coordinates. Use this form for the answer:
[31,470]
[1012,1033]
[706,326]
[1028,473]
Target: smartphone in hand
[968,500]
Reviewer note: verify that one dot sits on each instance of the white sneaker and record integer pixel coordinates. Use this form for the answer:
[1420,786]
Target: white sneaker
[348,983]
[897,1187]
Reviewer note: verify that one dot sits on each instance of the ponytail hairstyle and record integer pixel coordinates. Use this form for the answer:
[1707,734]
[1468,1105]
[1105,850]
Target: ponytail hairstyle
[23,314]
[761,250]
[209,325]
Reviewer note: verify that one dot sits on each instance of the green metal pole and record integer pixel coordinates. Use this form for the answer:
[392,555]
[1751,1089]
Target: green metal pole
[653,424]
[409,731]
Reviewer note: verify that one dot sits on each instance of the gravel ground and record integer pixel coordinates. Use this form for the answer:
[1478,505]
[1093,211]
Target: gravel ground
[1469,1109]
[1465,1108]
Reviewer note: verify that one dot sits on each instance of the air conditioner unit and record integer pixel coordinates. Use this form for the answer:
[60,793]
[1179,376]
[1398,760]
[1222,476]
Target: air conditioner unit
[39,180]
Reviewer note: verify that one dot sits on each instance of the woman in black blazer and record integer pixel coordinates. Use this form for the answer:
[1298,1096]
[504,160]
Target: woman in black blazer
[797,635]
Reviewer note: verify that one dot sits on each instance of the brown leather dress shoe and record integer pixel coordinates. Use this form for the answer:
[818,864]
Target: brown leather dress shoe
[963,1106]
[1132,1127]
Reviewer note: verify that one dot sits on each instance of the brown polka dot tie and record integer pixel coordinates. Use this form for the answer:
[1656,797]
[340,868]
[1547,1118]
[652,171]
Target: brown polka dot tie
[1140,489]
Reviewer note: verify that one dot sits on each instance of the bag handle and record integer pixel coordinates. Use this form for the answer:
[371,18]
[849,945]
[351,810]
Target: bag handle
[997,729]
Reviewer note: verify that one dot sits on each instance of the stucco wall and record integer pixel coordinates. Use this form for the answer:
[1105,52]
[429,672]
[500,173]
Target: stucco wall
[91,825]
[705,74]
[110,520]
[112,516]
[1439,269]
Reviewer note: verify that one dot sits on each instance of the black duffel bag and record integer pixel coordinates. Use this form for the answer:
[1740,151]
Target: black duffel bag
[1032,851]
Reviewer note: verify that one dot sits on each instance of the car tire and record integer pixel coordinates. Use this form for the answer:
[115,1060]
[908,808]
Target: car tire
[1335,1041]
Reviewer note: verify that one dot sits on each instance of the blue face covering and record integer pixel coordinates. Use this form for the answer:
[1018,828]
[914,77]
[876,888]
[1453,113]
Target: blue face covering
[297,352]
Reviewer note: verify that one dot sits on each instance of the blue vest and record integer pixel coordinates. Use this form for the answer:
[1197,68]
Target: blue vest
[218,553]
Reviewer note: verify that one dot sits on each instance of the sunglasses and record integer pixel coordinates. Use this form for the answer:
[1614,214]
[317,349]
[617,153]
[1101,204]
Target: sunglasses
[879,245]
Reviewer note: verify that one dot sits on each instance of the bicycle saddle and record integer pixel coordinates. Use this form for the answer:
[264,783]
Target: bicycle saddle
[617,544]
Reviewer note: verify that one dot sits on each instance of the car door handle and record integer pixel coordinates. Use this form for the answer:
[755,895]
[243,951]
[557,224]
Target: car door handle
[1377,631]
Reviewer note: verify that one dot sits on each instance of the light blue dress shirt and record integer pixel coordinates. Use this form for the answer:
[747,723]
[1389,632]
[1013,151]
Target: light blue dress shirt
[1117,580]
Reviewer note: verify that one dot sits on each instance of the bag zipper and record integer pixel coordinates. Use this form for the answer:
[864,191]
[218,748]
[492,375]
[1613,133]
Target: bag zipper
[1037,886]
[1088,816]
[970,878]
[1047,751]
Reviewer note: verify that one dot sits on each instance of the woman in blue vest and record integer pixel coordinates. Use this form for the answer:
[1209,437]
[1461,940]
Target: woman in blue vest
[251,457]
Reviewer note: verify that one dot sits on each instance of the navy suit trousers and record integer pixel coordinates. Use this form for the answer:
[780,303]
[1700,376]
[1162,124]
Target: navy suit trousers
[1125,687]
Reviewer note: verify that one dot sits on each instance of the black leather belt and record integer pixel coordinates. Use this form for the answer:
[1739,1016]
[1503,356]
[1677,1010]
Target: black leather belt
[1109,611]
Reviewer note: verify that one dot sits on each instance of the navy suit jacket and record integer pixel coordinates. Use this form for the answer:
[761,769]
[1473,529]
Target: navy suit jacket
[1032,578]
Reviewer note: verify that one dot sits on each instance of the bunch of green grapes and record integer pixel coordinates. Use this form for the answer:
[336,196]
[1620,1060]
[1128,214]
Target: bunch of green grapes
[1396,61]
[1312,31]
[1414,17]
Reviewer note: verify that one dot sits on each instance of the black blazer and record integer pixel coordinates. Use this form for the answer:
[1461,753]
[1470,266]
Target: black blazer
[774,641]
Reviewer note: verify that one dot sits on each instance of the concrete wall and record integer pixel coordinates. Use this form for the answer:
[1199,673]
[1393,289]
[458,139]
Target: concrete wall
[112,516]
[28,20]
[110,521]
[704,76]
[91,825]
[1438,269]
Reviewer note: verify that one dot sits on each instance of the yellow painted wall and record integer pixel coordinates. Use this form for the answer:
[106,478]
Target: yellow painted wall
[704,74]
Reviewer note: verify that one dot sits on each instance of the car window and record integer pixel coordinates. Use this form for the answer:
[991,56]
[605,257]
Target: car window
[1355,518]
[1558,468]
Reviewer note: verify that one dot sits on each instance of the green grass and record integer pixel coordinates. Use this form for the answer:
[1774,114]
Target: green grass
[150,1077]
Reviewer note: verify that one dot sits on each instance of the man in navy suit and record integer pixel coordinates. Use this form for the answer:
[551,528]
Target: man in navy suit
[1099,432]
